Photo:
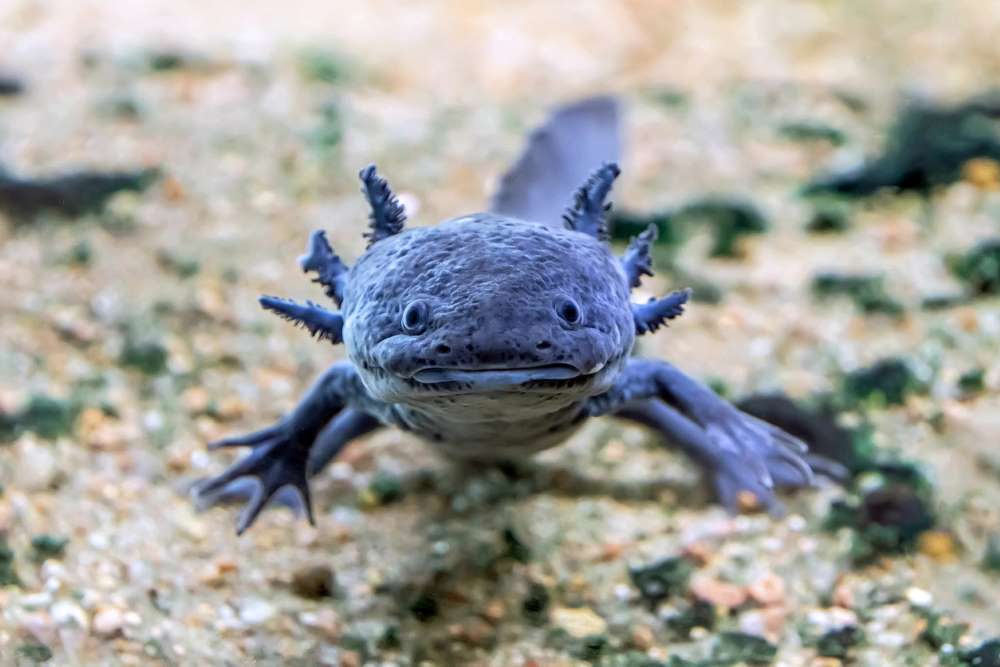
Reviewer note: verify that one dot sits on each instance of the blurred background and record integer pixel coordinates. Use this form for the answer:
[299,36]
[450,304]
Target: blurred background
[825,175]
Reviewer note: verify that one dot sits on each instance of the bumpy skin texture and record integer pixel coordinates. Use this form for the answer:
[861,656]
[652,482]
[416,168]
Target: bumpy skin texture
[492,338]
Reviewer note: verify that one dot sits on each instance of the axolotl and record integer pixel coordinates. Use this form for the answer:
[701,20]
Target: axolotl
[495,335]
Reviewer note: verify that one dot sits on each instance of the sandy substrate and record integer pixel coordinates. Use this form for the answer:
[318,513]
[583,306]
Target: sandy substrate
[256,153]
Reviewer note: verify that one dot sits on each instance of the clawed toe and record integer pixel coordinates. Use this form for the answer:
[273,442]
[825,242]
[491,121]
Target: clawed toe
[237,491]
[241,491]
[828,468]
[274,470]
[249,440]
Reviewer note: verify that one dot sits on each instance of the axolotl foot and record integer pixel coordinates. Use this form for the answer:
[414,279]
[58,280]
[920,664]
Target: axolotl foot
[772,460]
[746,459]
[275,468]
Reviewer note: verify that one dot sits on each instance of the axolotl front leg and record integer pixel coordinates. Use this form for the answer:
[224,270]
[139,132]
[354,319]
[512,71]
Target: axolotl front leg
[739,452]
[285,454]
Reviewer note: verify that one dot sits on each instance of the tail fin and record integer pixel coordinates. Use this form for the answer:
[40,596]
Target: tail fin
[576,139]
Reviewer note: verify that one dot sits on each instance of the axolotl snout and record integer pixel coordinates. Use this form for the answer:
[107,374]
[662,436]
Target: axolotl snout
[492,337]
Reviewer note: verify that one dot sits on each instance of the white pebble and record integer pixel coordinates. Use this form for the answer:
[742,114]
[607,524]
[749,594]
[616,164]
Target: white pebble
[623,593]
[797,523]
[108,621]
[918,597]
[53,569]
[831,618]
[153,420]
[38,467]
[99,541]
[36,600]
[68,613]
[200,459]
[256,611]
[890,639]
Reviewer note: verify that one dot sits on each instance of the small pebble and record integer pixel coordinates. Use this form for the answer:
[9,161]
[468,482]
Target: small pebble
[768,623]
[748,502]
[937,544]
[474,632]
[108,621]
[36,600]
[494,611]
[67,613]
[768,590]
[642,637]
[256,611]
[831,618]
[717,592]
[324,621]
[843,593]
[314,582]
[579,622]
[38,467]
[918,597]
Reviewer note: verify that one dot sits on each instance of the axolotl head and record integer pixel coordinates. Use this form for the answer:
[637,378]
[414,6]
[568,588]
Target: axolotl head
[485,309]
[487,305]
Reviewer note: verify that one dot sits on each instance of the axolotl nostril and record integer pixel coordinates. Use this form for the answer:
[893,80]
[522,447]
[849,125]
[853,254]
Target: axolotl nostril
[495,335]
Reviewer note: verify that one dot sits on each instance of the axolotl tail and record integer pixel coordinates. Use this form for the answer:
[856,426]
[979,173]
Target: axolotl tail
[559,156]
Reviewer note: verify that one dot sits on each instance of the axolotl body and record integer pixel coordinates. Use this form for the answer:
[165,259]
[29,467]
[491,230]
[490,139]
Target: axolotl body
[493,336]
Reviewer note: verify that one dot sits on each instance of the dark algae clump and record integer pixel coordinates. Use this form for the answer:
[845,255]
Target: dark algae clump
[424,606]
[972,382]
[8,574]
[699,614]
[928,146]
[35,652]
[72,194]
[866,291]
[10,86]
[46,416]
[991,559]
[626,224]
[986,655]
[663,578]
[48,546]
[386,488]
[535,605]
[730,219]
[837,643]
[979,268]
[144,352]
[830,215]
[886,520]
[886,382]
[942,631]
[736,647]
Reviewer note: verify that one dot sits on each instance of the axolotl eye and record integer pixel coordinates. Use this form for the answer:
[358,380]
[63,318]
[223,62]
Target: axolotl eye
[568,310]
[415,316]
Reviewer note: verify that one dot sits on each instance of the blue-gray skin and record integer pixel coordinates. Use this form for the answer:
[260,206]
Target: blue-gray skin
[492,338]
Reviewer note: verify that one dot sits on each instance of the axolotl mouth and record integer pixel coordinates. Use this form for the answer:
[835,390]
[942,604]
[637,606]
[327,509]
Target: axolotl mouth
[501,379]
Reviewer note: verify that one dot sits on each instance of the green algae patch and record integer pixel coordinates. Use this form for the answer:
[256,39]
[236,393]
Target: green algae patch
[886,382]
[867,292]
[979,268]
[663,578]
[45,416]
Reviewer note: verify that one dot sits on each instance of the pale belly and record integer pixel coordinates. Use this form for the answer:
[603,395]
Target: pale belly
[493,439]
